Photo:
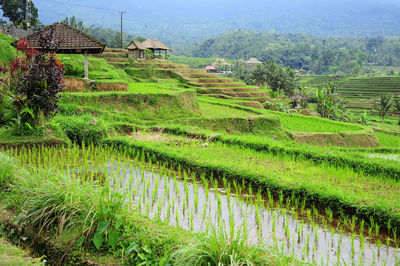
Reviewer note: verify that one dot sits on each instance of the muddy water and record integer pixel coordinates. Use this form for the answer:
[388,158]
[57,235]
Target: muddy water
[190,205]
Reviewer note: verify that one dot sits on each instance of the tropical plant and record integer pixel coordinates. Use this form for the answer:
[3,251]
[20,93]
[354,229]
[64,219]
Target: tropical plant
[277,77]
[364,119]
[327,101]
[396,104]
[383,104]
[258,76]
[78,24]
[239,69]
[8,169]
[33,82]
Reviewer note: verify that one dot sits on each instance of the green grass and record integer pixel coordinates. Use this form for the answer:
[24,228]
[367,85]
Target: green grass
[388,139]
[13,256]
[68,208]
[99,69]
[209,110]
[7,52]
[155,88]
[294,122]
[195,62]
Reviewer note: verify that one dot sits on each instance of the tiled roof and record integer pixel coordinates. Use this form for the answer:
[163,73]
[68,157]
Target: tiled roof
[71,40]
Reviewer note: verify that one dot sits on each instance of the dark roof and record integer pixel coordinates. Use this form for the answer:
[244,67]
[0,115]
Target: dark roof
[136,45]
[72,40]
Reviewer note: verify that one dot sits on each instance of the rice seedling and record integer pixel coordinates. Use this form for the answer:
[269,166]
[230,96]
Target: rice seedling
[159,196]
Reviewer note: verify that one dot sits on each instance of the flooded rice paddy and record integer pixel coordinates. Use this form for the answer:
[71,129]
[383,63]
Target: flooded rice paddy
[198,203]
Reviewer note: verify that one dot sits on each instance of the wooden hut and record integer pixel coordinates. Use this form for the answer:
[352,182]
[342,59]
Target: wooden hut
[136,49]
[71,41]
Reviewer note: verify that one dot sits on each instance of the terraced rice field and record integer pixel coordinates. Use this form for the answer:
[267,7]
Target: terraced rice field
[359,92]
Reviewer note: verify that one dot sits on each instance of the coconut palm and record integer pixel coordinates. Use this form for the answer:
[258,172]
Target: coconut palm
[384,104]
[72,21]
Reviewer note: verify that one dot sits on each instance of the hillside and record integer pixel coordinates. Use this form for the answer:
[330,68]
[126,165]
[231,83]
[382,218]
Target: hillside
[320,55]
[176,21]
[155,163]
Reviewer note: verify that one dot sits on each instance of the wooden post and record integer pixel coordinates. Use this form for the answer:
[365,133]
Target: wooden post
[86,66]
[165,53]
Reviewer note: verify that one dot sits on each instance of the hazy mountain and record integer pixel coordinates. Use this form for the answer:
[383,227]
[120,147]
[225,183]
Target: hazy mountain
[181,20]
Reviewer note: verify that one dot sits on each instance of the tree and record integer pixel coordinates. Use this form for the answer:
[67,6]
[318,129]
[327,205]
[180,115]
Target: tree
[330,104]
[384,104]
[72,21]
[258,75]
[239,69]
[280,79]
[15,10]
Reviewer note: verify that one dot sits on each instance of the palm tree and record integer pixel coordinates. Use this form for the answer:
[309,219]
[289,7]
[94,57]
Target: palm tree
[384,104]
[259,75]
[77,24]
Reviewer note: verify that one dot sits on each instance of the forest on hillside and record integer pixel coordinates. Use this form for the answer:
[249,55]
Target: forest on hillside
[301,51]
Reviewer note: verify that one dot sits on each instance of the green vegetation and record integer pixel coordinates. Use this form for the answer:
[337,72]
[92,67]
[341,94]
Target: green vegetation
[7,52]
[11,255]
[194,62]
[358,92]
[167,172]
[317,55]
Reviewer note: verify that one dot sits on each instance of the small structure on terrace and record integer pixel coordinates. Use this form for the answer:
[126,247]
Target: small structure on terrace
[299,100]
[136,49]
[253,61]
[72,41]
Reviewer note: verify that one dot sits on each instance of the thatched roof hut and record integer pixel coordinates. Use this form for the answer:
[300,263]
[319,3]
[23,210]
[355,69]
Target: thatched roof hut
[136,45]
[136,48]
[299,100]
[153,44]
[253,61]
[299,96]
[70,39]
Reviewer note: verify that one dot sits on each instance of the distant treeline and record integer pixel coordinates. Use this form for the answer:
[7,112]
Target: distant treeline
[112,38]
[301,51]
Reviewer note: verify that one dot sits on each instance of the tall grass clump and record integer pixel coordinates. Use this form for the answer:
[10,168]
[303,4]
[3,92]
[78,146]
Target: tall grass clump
[83,129]
[8,169]
[61,203]
[218,248]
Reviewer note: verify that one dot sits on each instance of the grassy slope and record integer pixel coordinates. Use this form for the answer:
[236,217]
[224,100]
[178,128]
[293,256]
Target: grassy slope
[11,255]
[7,52]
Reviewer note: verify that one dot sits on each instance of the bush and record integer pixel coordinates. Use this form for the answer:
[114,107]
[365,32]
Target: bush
[279,105]
[7,169]
[73,68]
[83,129]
